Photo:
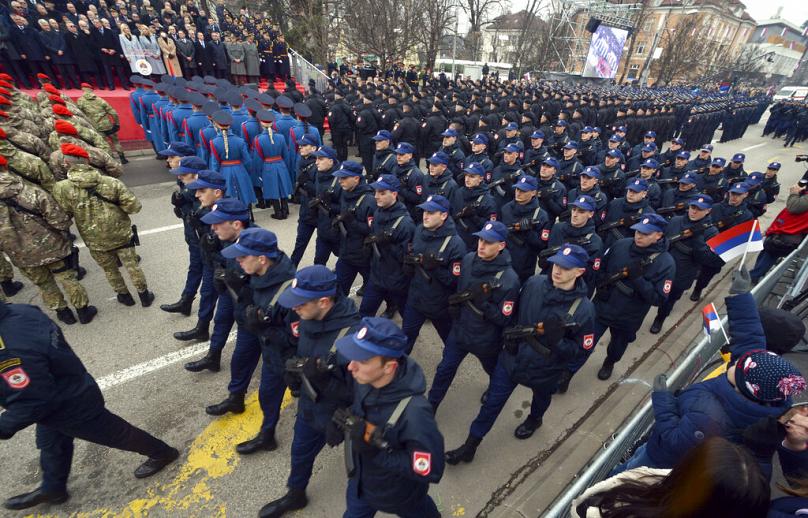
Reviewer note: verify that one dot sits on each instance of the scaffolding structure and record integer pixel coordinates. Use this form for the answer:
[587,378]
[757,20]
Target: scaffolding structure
[568,19]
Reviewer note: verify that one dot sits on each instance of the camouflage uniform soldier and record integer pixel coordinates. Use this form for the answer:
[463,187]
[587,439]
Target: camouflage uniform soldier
[101,206]
[58,111]
[99,159]
[34,233]
[22,125]
[27,142]
[89,136]
[104,118]
[26,165]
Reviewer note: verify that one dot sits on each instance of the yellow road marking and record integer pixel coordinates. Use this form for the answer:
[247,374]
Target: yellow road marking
[212,455]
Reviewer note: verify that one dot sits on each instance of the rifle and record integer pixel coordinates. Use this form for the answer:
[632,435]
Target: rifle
[321,202]
[673,208]
[513,335]
[339,220]
[472,295]
[636,267]
[508,178]
[372,434]
[545,192]
[632,173]
[666,181]
[374,240]
[296,364]
[689,232]
[466,212]
[422,263]
[622,222]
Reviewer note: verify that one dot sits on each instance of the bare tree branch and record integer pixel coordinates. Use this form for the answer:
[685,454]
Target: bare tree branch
[385,28]
[478,13]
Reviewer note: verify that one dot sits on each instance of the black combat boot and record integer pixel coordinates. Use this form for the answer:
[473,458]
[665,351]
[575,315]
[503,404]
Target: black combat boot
[528,426]
[234,403]
[465,453]
[564,381]
[656,326]
[294,499]
[146,298]
[65,315]
[181,306]
[210,361]
[154,465]
[86,314]
[123,158]
[126,299]
[606,369]
[199,332]
[277,213]
[696,295]
[265,440]
[11,287]
[285,208]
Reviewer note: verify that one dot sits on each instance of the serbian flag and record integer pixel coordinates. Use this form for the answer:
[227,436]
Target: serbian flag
[712,322]
[736,240]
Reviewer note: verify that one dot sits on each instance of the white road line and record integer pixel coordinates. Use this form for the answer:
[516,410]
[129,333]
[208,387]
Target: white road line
[147,232]
[147,367]
[755,146]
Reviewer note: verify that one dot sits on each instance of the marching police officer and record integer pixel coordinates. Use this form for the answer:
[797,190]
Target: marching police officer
[325,316]
[730,212]
[569,167]
[391,232]
[554,325]
[45,383]
[384,159]
[675,201]
[326,204]
[306,190]
[553,193]
[412,190]
[395,463]
[482,307]
[714,181]
[536,153]
[452,150]
[505,175]
[366,128]
[624,212]
[353,224]
[440,179]
[635,274]
[528,227]
[341,123]
[270,271]
[473,205]
[688,237]
[589,185]
[580,231]
[434,262]
[479,154]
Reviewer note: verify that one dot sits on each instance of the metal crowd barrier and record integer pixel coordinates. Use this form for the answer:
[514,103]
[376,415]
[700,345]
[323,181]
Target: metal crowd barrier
[303,71]
[639,423]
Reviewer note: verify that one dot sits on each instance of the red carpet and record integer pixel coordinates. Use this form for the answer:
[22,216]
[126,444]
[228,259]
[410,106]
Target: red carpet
[119,100]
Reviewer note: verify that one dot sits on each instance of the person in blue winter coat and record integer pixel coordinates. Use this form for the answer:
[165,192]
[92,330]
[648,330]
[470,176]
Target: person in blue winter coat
[483,306]
[194,123]
[298,131]
[472,205]
[305,190]
[229,155]
[391,232]
[325,316]
[434,263]
[270,160]
[555,324]
[394,467]
[758,384]
[528,226]
[326,204]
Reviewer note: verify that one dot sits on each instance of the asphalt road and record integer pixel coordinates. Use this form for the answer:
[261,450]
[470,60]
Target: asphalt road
[139,366]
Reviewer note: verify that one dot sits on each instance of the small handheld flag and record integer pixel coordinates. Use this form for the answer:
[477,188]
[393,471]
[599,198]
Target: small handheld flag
[738,240]
[711,321]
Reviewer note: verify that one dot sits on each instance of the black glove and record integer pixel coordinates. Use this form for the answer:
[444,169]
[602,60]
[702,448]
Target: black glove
[218,280]
[635,271]
[209,243]
[235,279]
[481,292]
[431,262]
[314,371]
[178,212]
[525,224]
[554,331]
[333,434]
[661,383]
[292,381]
[255,318]
[177,199]
[741,281]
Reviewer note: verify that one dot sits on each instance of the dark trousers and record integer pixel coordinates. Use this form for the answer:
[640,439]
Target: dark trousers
[193,277]
[412,320]
[323,250]
[357,508]
[306,445]
[500,389]
[121,70]
[14,68]
[618,343]
[706,274]
[764,262]
[366,150]
[44,67]
[207,295]
[220,73]
[272,387]
[374,296]
[677,290]
[222,322]
[340,141]
[246,353]
[453,356]
[55,444]
[302,239]
[68,73]
[346,274]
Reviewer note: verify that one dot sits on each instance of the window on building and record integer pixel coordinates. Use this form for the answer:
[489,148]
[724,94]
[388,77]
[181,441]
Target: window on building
[633,71]
[640,49]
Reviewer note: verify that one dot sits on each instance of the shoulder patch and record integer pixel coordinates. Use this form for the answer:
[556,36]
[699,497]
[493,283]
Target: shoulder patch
[16,378]
[421,463]
[456,268]
[589,341]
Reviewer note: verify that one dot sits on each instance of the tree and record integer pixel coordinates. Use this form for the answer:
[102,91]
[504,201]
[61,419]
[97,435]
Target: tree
[438,17]
[313,24]
[478,13]
[530,36]
[685,46]
[385,28]
[639,21]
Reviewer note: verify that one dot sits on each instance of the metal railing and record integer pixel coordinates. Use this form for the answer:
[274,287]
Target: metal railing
[639,423]
[304,71]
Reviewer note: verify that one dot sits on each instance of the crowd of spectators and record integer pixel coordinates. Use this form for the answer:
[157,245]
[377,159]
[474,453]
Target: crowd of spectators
[97,41]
